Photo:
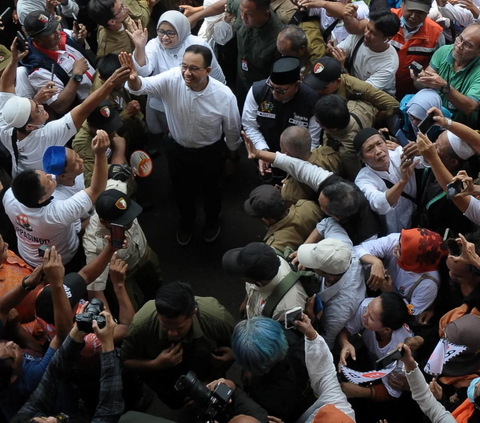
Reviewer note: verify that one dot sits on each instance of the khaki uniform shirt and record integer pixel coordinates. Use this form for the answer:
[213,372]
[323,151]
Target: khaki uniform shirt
[352,88]
[212,327]
[284,9]
[326,158]
[82,144]
[258,296]
[94,242]
[342,141]
[294,229]
[316,44]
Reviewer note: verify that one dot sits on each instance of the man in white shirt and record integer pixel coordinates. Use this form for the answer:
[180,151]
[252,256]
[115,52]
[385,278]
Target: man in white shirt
[263,270]
[342,286]
[49,46]
[370,57]
[388,180]
[40,221]
[23,128]
[198,109]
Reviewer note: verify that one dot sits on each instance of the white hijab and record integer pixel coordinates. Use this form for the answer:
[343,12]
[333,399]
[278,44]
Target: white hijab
[182,26]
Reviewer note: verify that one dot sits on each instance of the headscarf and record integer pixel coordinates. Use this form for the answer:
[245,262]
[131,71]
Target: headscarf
[421,103]
[181,24]
[421,250]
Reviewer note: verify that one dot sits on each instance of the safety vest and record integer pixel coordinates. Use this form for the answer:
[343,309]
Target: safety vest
[419,48]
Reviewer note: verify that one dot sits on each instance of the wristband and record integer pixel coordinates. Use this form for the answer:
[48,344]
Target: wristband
[448,124]
[312,339]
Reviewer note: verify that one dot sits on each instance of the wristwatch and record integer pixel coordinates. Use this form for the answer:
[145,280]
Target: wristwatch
[25,286]
[77,77]
[445,89]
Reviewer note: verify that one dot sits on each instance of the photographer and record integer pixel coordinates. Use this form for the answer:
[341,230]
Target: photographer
[110,404]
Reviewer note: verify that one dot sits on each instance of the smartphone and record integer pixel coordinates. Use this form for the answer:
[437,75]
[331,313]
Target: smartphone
[383,362]
[318,305]
[401,138]
[454,188]
[117,234]
[53,72]
[291,316]
[447,234]
[425,125]
[41,250]
[416,68]
[5,12]
[75,22]
[21,42]
[453,247]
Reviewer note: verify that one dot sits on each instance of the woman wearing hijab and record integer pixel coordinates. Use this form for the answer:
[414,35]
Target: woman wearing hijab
[163,53]
[407,263]
[415,109]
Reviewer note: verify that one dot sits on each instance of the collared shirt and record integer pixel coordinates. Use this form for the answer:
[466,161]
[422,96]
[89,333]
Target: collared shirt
[195,118]
[258,296]
[399,215]
[328,227]
[94,242]
[341,300]
[65,57]
[466,81]
[424,294]
[32,147]
[295,227]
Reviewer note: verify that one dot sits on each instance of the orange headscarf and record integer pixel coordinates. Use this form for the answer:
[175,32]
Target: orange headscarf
[421,250]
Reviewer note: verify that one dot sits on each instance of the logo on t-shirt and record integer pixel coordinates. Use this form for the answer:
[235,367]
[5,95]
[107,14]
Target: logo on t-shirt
[22,220]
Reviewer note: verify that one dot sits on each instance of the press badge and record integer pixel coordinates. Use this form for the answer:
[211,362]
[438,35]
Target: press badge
[244,65]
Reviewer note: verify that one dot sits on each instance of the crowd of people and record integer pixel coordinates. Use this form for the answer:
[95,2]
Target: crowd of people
[361,119]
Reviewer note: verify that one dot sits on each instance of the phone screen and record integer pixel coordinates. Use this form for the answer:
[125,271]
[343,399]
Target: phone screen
[454,188]
[117,234]
[453,247]
[426,123]
[291,316]
[401,137]
[383,362]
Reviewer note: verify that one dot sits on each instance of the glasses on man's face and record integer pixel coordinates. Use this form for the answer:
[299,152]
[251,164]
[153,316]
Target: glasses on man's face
[192,69]
[466,44]
[169,33]
[277,90]
[122,9]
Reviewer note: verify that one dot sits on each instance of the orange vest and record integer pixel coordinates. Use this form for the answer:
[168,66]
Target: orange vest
[419,48]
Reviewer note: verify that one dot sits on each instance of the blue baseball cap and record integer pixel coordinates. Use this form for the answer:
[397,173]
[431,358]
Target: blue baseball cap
[55,160]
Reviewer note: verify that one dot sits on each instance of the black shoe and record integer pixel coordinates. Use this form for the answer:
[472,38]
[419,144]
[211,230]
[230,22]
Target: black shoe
[211,231]
[184,234]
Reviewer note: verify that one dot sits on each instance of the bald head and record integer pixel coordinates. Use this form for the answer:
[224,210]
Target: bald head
[296,142]
[242,418]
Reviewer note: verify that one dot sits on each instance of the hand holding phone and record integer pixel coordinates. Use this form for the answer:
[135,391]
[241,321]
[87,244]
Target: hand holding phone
[416,68]
[454,188]
[425,125]
[21,42]
[117,235]
[291,316]
[401,138]
[383,362]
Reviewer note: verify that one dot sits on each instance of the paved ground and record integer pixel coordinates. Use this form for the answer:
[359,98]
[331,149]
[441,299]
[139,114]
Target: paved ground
[199,263]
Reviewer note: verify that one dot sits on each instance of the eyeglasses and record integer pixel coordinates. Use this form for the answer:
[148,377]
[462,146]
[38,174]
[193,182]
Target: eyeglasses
[169,33]
[277,90]
[466,44]
[192,69]
[122,9]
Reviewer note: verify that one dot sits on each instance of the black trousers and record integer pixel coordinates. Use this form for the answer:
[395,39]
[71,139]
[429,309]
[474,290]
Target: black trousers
[193,169]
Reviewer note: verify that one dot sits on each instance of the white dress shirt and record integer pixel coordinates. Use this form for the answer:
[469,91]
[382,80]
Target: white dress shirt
[195,118]
[399,215]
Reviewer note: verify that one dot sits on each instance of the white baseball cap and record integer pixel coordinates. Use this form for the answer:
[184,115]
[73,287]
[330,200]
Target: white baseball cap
[16,111]
[329,255]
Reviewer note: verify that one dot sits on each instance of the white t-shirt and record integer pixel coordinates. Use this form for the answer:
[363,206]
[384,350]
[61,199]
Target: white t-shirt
[51,225]
[369,339]
[62,192]
[23,88]
[378,69]
[33,146]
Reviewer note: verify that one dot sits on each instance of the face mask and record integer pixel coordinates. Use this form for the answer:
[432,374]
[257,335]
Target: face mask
[471,390]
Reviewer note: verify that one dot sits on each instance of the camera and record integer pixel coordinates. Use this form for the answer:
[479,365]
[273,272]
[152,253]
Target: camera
[212,402]
[91,313]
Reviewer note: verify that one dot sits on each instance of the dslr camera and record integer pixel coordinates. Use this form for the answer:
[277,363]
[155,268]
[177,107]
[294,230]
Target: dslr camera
[91,313]
[211,402]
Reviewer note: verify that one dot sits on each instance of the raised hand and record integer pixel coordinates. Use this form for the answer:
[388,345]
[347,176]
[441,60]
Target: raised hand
[100,143]
[137,33]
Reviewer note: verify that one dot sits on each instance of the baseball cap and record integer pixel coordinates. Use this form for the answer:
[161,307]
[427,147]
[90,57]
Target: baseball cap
[39,23]
[325,70]
[422,5]
[329,255]
[285,70]
[16,111]
[5,57]
[331,414]
[114,206]
[255,261]
[76,289]
[105,117]
[54,160]
[265,201]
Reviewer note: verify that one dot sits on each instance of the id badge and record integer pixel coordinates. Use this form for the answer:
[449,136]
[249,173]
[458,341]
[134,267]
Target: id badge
[244,65]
